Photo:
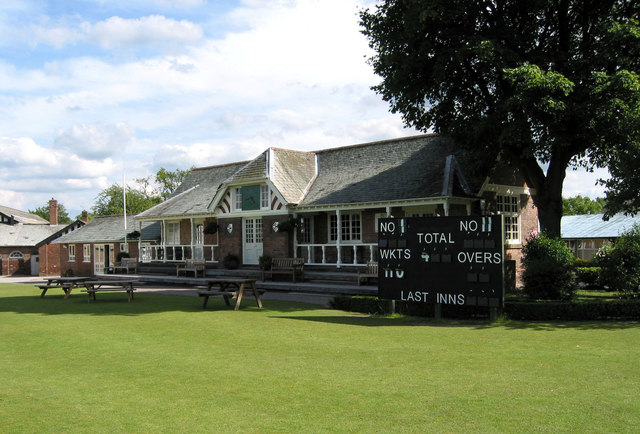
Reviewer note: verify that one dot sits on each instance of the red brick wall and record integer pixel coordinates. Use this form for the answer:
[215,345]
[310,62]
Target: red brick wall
[49,260]
[276,244]
[80,267]
[230,243]
[16,266]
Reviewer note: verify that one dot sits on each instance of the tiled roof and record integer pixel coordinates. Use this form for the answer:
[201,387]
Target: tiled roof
[255,169]
[592,226]
[26,235]
[195,193]
[411,168]
[110,229]
[402,169]
[22,216]
[292,172]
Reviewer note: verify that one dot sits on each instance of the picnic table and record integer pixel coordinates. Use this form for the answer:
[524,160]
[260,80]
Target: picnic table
[119,285]
[64,283]
[230,287]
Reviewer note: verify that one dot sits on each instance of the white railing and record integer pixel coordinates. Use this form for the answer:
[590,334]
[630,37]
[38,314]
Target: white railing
[346,255]
[178,253]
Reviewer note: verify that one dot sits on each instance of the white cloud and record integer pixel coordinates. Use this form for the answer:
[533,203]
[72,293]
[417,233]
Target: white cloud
[96,141]
[27,166]
[117,31]
[581,182]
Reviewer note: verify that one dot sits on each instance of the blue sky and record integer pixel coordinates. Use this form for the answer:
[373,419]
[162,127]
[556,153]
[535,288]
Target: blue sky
[93,89]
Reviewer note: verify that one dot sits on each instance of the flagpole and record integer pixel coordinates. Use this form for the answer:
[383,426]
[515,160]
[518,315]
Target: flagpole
[124,210]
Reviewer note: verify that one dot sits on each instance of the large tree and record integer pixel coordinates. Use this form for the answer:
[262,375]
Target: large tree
[545,84]
[164,182]
[110,201]
[148,192]
[43,211]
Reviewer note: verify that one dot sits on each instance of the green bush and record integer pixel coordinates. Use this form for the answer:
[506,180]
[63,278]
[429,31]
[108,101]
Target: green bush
[548,269]
[516,310]
[589,276]
[121,255]
[573,311]
[231,261]
[620,263]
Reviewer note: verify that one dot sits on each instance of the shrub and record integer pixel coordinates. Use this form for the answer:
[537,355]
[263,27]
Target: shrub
[620,263]
[231,261]
[121,255]
[548,269]
[589,276]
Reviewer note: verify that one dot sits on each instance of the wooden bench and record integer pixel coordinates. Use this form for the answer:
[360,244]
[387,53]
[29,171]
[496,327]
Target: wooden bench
[94,286]
[370,271]
[291,266]
[230,287]
[64,283]
[127,264]
[193,265]
[65,287]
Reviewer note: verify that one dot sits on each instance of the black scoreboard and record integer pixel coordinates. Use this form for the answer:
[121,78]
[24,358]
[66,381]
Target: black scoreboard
[445,260]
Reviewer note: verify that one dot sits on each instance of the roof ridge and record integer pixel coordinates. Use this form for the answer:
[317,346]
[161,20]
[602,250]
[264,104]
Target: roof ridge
[379,142]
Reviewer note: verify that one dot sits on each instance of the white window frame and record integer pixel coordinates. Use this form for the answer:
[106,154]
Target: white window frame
[16,255]
[264,196]
[198,234]
[86,252]
[72,252]
[305,230]
[172,232]
[351,225]
[237,202]
[508,205]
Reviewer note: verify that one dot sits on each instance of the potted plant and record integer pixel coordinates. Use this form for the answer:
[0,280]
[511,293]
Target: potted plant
[265,262]
[287,225]
[211,228]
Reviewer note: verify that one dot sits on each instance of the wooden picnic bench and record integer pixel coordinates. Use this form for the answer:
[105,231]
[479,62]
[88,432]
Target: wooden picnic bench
[230,287]
[121,285]
[293,266]
[193,265]
[370,271]
[127,264]
[64,283]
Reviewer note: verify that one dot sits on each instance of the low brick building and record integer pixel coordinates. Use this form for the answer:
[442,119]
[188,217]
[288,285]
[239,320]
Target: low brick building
[25,239]
[96,246]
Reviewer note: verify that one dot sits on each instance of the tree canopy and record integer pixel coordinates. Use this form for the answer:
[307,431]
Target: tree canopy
[582,205]
[110,201]
[545,84]
[43,211]
[140,197]
[164,182]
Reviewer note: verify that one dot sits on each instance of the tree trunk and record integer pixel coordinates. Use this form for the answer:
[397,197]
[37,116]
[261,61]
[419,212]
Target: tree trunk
[550,214]
[548,189]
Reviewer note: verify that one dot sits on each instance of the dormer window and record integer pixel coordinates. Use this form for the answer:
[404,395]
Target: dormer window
[251,198]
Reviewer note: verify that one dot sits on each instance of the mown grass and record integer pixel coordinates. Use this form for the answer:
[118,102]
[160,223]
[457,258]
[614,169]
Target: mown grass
[161,364]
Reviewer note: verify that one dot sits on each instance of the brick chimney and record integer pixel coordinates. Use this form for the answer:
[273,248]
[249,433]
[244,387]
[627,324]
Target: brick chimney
[85,216]
[53,212]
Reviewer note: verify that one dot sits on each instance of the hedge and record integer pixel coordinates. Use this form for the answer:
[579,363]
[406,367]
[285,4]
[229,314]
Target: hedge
[516,310]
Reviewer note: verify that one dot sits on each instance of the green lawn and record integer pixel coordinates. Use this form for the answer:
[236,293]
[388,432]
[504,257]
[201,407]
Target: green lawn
[161,364]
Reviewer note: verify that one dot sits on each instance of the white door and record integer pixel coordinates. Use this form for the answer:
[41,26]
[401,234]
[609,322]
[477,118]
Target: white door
[252,240]
[102,258]
[35,265]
